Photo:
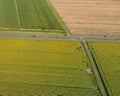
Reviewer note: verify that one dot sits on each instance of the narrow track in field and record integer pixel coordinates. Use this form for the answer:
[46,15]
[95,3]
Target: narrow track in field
[17,12]
[101,84]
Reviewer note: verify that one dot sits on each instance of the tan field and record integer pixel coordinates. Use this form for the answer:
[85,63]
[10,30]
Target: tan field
[90,17]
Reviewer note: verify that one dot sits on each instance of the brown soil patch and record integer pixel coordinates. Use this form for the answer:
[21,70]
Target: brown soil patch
[90,17]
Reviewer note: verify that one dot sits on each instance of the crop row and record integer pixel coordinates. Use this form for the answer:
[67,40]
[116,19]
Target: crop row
[35,15]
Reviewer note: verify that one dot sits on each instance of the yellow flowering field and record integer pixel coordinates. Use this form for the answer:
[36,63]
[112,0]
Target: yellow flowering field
[45,68]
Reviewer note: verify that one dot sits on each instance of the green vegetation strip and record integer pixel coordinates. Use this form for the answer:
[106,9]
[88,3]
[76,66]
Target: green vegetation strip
[100,82]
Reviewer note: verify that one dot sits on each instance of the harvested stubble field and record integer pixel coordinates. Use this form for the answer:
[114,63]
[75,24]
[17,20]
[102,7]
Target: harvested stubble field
[45,68]
[29,15]
[90,17]
[107,56]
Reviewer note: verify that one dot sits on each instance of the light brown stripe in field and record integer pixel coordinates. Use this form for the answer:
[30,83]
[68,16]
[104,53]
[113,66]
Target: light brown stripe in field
[90,17]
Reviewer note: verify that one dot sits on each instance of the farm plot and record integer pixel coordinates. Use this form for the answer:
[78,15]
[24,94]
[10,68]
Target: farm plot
[29,15]
[107,56]
[8,17]
[38,67]
[90,17]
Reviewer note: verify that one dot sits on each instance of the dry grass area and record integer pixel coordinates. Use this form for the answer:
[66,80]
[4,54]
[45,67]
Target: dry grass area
[90,17]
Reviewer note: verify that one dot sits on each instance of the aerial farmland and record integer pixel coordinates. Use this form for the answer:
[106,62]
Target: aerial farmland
[90,17]
[108,62]
[27,15]
[59,48]
[44,68]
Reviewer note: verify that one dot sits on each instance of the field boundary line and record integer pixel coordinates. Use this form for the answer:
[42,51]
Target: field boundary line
[31,29]
[40,30]
[100,82]
[66,29]
[17,12]
[76,87]
[8,28]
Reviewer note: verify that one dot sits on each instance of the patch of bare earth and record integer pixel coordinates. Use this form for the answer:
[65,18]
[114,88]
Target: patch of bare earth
[90,17]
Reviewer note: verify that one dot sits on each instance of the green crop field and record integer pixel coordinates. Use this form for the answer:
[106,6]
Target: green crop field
[107,56]
[29,15]
[46,68]
[8,17]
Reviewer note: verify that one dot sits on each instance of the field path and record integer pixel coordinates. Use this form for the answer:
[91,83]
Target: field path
[90,17]
[17,12]
[98,76]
